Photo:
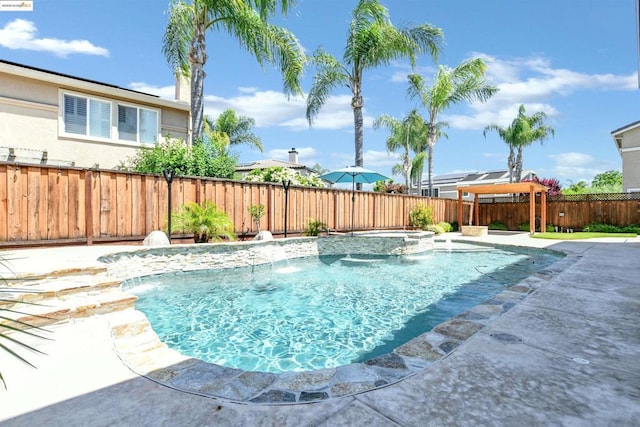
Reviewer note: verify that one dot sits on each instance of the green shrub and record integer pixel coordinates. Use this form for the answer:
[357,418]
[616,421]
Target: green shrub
[445,226]
[499,225]
[205,221]
[609,228]
[279,174]
[436,228]
[314,228]
[633,228]
[454,226]
[421,216]
[211,159]
[550,228]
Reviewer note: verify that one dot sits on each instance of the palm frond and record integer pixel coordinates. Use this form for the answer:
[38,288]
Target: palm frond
[178,36]
[329,75]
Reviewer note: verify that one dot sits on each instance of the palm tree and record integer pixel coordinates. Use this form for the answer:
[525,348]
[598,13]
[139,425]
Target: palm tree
[523,131]
[406,135]
[465,82]
[372,41]
[508,136]
[237,128]
[184,43]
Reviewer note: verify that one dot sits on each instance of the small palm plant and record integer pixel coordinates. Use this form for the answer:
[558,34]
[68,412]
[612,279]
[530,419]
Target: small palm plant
[205,221]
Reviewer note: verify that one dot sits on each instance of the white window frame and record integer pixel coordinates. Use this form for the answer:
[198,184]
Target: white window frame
[87,135]
[139,109]
[114,134]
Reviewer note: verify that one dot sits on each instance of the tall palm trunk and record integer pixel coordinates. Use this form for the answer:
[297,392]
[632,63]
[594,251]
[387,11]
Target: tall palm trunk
[418,179]
[356,104]
[407,173]
[431,142]
[518,173]
[197,58]
[511,163]
[407,162]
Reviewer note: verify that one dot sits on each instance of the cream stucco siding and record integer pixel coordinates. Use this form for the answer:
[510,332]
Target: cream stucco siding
[31,118]
[627,140]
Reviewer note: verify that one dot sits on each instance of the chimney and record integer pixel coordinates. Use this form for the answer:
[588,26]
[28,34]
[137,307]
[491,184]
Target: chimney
[293,156]
[183,88]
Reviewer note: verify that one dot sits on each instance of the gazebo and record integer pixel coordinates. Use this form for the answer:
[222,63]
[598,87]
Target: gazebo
[517,187]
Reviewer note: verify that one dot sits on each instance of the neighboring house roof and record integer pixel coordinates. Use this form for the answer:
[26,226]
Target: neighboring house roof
[451,178]
[625,128]
[15,64]
[269,163]
[448,181]
[80,83]
[618,133]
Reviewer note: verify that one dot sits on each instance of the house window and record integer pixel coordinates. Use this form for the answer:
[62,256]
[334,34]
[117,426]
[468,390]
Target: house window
[137,124]
[87,116]
[425,192]
[107,120]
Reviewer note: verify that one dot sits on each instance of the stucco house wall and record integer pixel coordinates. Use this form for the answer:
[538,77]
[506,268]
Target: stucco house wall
[32,110]
[627,140]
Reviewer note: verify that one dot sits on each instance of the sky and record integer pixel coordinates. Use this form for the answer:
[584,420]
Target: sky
[575,60]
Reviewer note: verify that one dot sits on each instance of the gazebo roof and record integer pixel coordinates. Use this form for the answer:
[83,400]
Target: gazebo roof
[516,187]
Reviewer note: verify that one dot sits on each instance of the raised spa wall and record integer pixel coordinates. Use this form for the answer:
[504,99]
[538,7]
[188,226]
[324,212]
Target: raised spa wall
[166,259]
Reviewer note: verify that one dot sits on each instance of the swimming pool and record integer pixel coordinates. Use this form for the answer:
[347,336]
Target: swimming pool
[325,311]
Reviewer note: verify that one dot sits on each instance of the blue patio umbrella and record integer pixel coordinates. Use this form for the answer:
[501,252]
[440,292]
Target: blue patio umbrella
[353,174]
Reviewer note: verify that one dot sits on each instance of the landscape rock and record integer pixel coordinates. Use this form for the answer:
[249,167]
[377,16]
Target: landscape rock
[156,238]
[264,235]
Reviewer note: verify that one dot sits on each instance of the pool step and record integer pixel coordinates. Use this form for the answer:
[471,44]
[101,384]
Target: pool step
[61,296]
[138,344]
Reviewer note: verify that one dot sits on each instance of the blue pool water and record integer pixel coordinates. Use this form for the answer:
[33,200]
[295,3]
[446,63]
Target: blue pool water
[315,313]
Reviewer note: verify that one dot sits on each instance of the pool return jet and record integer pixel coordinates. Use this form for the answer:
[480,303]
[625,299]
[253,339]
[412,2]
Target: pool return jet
[353,174]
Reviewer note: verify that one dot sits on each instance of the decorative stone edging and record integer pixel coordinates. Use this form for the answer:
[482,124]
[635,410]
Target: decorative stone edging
[140,349]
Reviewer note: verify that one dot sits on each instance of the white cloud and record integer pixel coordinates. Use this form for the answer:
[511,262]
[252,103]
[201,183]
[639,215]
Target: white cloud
[272,108]
[379,158]
[21,34]
[534,83]
[573,167]
[247,89]
[306,155]
[403,70]
[165,92]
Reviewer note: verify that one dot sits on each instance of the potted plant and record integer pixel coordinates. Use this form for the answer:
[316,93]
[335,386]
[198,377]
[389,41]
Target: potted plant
[205,221]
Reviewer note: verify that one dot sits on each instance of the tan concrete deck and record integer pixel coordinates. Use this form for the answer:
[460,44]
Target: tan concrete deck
[576,361]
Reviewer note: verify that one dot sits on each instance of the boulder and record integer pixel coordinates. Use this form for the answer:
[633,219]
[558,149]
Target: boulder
[264,235]
[156,238]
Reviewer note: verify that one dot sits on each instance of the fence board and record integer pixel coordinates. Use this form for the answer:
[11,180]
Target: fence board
[56,192]
[565,214]
[41,202]
[137,206]
[75,205]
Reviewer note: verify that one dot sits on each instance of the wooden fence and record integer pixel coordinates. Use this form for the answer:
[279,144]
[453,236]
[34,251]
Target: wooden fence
[56,205]
[574,214]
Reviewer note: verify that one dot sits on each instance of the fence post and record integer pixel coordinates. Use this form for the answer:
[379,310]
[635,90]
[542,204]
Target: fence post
[285,185]
[168,176]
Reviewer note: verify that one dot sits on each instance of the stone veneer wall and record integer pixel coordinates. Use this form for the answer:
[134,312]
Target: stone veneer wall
[167,259]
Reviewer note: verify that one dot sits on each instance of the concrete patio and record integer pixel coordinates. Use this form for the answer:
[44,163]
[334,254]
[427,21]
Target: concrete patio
[569,354]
